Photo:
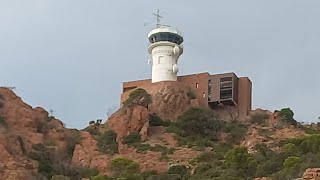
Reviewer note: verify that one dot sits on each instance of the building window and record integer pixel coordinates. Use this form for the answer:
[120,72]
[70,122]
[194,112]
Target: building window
[204,95]
[209,90]
[197,85]
[160,59]
[226,88]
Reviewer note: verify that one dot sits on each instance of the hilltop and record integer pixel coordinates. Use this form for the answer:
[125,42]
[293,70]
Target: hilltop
[161,135]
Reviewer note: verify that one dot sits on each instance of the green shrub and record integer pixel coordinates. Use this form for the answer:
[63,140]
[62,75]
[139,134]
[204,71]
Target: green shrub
[136,95]
[236,131]
[2,121]
[45,168]
[286,115]
[73,172]
[49,142]
[123,166]
[107,142]
[60,177]
[178,169]
[155,120]
[73,139]
[93,130]
[199,122]
[259,118]
[164,150]
[142,147]
[132,138]
[42,127]
[265,132]
[238,158]
[100,177]
[38,147]
[149,173]
[164,176]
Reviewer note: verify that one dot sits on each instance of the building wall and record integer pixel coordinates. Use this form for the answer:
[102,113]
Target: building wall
[198,84]
[245,96]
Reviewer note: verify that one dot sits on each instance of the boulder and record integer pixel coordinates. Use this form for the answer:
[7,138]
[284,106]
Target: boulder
[130,119]
[312,174]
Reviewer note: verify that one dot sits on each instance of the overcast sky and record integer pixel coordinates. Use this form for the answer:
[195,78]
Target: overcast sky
[72,56]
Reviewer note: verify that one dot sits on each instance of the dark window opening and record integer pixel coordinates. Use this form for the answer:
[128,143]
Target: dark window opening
[226,88]
[165,36]
[209,90]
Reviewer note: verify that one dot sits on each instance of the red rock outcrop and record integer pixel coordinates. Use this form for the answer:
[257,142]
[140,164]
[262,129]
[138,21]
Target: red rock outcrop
[312,174]
[23,126]
[170,100]
[130,119]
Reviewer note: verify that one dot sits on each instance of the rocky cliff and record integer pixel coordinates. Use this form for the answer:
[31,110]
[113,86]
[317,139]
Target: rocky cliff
[21,127]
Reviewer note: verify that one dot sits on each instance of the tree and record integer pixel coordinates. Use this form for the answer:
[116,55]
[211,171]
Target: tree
[199,122]
[137,95]
[238,158]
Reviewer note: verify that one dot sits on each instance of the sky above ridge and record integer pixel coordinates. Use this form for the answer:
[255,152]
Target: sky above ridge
[72,56]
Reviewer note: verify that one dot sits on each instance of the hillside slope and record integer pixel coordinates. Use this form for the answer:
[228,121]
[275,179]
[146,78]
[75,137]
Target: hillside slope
[136,143]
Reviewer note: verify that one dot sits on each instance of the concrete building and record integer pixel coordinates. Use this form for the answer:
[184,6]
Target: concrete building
[212,91]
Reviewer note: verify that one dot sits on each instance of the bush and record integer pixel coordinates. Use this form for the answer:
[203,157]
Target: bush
[178,169]
[132,138]
[93,130]
[259,118]
[142,147]
[60,177]
[236,131]
[107,142]
[136,95]
[164,176]
[123,166]
[45,168]
[286,115]
[100,177]
[149,173]
[155,120]
[198,122]
[2,121]
[42,127]
[73,172]
[73,139]
[238,158]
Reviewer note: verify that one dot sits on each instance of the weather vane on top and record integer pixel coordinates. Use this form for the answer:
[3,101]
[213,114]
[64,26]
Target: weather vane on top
[158,18]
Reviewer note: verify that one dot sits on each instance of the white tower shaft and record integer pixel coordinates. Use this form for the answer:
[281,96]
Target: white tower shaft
[164,61]
[165,48]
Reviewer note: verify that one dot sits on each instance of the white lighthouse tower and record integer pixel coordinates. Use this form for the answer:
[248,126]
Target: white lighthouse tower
[165,48]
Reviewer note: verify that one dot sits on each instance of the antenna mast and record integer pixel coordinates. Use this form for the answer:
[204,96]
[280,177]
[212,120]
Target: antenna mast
[158,18]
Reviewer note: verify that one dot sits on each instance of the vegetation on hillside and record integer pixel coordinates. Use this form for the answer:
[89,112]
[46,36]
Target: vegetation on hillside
[197,128]
[202,127]
[136,95]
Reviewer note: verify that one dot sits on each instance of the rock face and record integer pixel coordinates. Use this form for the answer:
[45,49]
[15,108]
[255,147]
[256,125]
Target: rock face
[86,154]
[21,127]
[312,174]
[128,120]
[170,100]
[272,132]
